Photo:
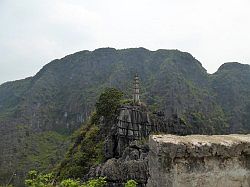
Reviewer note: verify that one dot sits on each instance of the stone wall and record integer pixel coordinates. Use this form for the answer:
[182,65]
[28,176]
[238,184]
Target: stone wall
[199,161]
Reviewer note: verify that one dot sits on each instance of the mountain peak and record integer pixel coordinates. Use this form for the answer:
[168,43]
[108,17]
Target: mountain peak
[104,49]
[233,66]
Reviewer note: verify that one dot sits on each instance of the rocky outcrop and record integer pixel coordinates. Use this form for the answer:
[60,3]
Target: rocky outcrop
[132,165]
[199,161]
[126,145]
[132,124]
[171,125]
[125,148]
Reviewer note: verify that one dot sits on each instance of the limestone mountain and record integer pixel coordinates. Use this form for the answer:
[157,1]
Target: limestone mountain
[232,87]
[37,114]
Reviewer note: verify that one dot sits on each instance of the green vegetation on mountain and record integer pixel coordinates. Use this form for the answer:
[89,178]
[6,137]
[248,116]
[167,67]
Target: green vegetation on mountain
[88,148]
[38,114]
[232,87]
[87,151]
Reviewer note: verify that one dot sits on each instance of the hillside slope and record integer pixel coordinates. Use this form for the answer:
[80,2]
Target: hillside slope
[38,114]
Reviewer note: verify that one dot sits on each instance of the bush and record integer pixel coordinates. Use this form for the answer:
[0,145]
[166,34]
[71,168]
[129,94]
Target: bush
[131,183]
[39,180]
[70,183]
[46,180]
[100,182]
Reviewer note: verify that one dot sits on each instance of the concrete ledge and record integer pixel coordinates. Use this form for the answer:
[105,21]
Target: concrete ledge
[201,145]
[199,161]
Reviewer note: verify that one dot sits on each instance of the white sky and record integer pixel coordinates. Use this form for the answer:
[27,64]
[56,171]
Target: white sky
[34,32]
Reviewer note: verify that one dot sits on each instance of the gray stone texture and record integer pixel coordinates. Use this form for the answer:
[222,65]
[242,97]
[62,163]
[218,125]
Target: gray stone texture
[199,161]
[125,148]
[131,165]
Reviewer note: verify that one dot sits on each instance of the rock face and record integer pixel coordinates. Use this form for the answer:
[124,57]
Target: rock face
[133,123]
[124,150]
[126,144]
[199,161]
[132,165]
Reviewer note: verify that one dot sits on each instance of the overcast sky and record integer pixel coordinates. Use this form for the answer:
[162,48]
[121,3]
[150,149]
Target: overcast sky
[34,32]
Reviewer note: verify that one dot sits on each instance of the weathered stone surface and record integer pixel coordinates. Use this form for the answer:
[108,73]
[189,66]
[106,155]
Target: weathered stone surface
[132,165]
[199,161]
[133,123]
[125,147]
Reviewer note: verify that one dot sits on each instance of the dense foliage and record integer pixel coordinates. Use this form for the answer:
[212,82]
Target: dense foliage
[36,179]
[87,150]
[108,102]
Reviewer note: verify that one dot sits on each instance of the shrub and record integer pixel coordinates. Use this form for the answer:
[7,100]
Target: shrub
[131,183]
[70,183]
[46,180]
[100,182]
[39,180]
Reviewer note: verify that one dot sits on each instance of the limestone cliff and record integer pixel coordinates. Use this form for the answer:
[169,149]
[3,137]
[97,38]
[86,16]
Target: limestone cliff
[126,144]
[125,147]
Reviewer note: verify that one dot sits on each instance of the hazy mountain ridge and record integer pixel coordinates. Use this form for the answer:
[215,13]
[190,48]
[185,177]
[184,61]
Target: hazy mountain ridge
[59,98]
[232,86]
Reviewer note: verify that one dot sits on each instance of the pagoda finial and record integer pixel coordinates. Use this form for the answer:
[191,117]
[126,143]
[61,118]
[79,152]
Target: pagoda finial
[136,93]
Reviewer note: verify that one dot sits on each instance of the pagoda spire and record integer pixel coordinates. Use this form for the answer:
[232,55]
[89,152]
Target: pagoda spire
[136,92]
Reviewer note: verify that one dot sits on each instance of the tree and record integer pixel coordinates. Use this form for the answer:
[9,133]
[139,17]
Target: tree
[108,102]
